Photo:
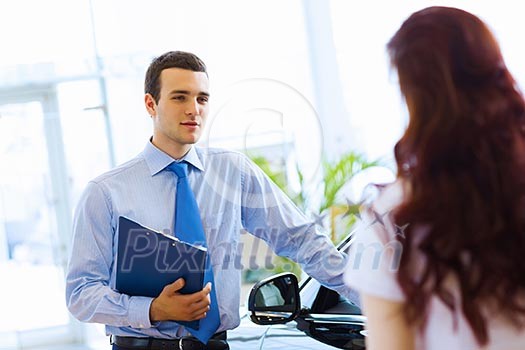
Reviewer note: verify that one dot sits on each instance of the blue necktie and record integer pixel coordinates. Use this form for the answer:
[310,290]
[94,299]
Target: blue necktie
[188,228]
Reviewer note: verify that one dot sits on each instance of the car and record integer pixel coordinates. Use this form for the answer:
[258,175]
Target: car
[283,314]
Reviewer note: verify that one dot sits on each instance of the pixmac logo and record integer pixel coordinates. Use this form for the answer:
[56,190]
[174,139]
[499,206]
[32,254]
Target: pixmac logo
[168,255]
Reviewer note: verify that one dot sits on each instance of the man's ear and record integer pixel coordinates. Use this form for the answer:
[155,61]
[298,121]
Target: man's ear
[151,105]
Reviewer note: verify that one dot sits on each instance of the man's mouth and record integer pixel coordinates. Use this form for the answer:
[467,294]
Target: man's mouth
[190,123]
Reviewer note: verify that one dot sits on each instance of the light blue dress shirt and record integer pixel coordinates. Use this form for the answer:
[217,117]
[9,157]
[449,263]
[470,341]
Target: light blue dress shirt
[234,197]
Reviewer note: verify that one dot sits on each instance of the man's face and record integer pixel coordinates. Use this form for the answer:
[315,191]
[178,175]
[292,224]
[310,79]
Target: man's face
[179,115]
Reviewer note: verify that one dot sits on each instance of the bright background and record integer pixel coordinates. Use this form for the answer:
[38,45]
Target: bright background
[299,80]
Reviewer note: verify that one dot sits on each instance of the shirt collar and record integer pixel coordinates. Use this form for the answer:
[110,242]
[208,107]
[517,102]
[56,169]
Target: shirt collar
[157,160]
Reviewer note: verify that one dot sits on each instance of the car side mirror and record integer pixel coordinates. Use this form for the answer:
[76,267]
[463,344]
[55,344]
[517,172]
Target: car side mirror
[275,300]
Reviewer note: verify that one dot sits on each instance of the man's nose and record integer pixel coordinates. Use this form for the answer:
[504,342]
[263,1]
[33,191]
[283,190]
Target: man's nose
[193,108]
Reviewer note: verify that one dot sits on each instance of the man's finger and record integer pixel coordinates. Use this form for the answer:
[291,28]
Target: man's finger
[200,315]
[175,286]
[201,304]
[197,296]
[205,292]
[200,311]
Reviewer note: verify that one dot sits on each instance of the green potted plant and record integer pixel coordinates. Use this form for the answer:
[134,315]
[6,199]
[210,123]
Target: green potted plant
[335,175]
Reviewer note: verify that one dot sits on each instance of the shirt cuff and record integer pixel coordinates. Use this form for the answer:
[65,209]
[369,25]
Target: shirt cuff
[139,312]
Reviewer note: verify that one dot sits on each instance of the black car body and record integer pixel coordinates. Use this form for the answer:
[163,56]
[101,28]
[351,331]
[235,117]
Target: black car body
[290,316]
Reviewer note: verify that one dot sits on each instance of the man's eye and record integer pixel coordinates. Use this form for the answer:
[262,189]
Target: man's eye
[178,98]
[203,100]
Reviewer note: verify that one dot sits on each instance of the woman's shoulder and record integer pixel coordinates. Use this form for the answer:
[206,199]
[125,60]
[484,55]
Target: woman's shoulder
[382,199]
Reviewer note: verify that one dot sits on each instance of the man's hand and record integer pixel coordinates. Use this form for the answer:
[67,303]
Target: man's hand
[173,306]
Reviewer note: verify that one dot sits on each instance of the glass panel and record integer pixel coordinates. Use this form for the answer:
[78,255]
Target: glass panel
[85,138]
[33,296]
[51,30]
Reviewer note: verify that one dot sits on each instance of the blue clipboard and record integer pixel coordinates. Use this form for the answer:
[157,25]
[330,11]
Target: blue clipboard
[148,260]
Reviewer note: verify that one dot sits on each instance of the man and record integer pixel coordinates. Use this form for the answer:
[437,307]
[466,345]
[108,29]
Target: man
[232,194]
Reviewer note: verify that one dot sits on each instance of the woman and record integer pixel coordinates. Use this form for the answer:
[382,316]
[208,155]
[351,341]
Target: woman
[439,262]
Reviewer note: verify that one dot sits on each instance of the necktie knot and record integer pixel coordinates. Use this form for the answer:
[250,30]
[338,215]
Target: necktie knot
[179,168]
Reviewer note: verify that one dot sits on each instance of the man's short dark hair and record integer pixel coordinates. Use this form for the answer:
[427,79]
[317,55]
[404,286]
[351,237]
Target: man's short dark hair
[171,59]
